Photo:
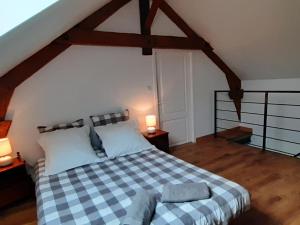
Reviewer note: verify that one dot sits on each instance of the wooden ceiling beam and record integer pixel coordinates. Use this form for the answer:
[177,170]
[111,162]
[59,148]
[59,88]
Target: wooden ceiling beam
[173,16]
[233,80]
[24,70]
[152,14]
[4,128]
[144,6]
[5,97]
[86,36]
[100,38]
[102,14]
[31,65]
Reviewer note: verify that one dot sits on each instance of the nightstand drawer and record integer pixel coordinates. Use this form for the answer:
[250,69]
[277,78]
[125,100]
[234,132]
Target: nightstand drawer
[11,176]
[15,183]
[14,192]
[162,143]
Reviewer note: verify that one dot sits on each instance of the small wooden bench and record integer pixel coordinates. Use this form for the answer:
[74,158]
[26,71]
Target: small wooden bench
[241,135]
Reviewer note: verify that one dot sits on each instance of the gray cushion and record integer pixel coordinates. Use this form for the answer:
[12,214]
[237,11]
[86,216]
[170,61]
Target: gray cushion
[95,140]
[110,118]
[185,192]
[141,210]
[62,126]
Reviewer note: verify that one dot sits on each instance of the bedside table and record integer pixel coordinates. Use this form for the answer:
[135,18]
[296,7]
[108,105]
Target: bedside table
[160,139]
[15,183]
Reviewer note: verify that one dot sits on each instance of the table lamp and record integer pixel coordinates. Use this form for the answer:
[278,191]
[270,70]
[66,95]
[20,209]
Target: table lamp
[151,124]
[5,151]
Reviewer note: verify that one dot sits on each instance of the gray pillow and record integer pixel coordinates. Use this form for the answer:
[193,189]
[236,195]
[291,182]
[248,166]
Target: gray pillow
[95,140]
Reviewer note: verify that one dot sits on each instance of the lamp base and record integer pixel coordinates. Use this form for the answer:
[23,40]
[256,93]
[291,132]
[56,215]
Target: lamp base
[6,161]
[151,130]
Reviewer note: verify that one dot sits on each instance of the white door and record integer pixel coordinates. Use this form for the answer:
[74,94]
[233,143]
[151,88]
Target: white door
[175,95]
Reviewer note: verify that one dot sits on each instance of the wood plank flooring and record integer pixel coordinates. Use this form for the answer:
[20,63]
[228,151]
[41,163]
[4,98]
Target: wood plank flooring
[272,179]
[22,213]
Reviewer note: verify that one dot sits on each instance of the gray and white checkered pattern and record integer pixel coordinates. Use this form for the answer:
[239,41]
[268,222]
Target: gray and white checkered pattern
[110,118]
[62,126]
[101,193]
[101,154]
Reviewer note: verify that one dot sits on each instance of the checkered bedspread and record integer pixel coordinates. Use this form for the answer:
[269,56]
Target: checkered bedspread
[100,193]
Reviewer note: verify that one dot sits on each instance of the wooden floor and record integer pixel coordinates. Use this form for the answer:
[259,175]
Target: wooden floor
[272,179]
[19,214]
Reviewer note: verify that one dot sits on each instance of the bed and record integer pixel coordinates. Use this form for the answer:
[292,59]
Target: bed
[100,193]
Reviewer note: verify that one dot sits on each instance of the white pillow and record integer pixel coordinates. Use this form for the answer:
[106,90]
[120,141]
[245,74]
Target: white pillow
[66,149]
[122,139]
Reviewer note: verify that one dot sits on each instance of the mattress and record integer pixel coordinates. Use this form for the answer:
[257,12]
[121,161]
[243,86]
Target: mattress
[100,193]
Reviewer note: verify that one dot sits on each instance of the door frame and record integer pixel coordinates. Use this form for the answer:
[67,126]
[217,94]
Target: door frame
[190,89]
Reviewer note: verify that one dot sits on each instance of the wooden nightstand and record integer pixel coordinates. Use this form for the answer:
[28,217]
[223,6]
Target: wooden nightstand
[160,139]
[15,183]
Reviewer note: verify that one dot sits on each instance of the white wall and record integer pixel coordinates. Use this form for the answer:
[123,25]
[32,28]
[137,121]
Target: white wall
[80,82]
[88,80]
[207,79]
[292,111]
[272,84]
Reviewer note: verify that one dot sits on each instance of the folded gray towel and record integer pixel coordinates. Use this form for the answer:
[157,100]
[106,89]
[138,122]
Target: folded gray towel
[141,210]
[185,192]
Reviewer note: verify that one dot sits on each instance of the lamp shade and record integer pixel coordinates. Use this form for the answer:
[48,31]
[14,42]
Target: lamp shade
[5,148]
[151,121]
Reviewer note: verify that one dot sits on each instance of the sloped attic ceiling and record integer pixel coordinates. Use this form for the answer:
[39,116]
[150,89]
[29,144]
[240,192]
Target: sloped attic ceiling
[258,39]
[32,35]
